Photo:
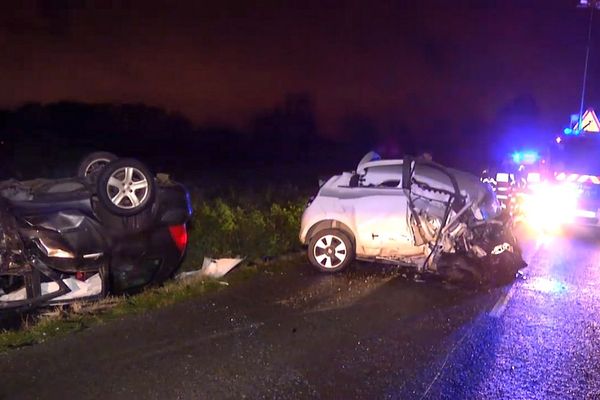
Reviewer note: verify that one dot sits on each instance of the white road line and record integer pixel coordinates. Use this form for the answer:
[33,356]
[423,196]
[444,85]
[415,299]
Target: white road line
[496,312]
[439,373]
[502,302]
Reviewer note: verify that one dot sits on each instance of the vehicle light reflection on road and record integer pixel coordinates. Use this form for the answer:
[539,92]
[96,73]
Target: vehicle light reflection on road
[546,285]
[543,239]
[540,243]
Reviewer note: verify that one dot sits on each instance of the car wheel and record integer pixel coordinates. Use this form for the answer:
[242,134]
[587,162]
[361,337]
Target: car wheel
[119,224]
[461,271]
[505,267]
[93,163]
[126,187]
[330,250]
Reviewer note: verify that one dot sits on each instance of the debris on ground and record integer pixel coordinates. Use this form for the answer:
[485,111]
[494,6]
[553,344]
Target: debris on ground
[79,289]
[213,268]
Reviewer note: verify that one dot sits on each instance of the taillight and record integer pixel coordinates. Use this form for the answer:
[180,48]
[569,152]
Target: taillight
[179,236]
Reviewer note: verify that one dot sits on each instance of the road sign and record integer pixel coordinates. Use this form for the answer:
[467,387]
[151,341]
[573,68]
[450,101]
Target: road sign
[589,122]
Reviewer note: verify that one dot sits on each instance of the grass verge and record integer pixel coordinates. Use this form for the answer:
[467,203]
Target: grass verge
[259,225]
[80,316]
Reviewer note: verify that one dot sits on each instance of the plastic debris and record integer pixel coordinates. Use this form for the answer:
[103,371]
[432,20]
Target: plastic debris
[216,268]
[213,268]
[90,287]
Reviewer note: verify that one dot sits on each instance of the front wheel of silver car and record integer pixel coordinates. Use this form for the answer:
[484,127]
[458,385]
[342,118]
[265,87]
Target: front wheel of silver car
[461,270]
[330,250]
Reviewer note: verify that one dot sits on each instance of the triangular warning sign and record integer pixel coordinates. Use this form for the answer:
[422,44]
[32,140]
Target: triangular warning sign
[589,122]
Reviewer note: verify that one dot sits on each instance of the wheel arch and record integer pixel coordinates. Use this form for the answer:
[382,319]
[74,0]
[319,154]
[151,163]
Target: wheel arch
[330,224]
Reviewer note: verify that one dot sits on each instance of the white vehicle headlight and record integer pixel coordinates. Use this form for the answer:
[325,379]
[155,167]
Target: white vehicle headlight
[548,206]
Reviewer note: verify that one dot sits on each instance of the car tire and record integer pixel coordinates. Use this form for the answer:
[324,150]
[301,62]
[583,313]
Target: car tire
[505,267]
[126,187]
[459,270]
[330,250]
[93,163]
[119,225]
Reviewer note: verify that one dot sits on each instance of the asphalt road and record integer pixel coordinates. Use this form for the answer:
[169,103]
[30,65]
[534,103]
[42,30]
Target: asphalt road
[370,333]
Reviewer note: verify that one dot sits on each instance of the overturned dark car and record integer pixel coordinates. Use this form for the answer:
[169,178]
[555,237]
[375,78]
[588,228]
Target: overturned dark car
[115,227]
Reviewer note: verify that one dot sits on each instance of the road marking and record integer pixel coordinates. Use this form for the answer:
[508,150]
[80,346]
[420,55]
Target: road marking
[496,312]
[502,302]
[439,373]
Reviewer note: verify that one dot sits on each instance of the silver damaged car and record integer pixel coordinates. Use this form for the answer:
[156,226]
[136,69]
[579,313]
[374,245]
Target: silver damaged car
[411,212]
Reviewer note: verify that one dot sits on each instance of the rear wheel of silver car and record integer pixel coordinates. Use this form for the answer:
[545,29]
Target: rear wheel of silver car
[330,250]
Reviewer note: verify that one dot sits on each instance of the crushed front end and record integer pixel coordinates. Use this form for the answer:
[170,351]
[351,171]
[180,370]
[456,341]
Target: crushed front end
[470,234]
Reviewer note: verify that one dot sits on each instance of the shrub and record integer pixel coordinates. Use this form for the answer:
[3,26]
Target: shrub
[252,226]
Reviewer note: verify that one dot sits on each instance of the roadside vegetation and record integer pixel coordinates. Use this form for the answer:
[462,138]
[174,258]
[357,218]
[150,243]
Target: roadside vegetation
[262,227]
[251,226]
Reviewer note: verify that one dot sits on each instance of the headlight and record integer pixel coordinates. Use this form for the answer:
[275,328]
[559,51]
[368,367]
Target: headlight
[53,250]
[548,206]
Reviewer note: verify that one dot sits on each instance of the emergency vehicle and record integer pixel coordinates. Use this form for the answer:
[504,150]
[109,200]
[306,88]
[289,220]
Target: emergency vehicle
[558,186]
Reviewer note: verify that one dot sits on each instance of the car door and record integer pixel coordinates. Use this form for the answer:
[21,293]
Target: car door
[381,213]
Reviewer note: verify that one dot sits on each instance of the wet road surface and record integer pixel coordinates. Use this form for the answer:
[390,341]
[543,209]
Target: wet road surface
[369,333]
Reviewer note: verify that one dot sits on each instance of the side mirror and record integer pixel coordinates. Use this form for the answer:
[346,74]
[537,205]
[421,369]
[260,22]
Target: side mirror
[407,172]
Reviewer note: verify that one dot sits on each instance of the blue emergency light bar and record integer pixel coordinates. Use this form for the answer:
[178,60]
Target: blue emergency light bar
[570,131]
[525,157]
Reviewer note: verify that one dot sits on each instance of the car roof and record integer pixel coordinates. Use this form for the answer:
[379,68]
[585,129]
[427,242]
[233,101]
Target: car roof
[372,159]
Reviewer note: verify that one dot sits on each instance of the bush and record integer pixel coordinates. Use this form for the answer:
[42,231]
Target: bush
[252,226]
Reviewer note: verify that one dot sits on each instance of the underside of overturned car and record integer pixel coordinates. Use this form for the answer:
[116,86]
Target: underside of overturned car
[411,212]
[114,227]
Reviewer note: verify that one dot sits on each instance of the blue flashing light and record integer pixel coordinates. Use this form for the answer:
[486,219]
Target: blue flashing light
[571,131]
[525,157]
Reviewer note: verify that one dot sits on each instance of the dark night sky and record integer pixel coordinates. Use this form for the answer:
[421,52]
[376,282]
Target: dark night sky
[411,62]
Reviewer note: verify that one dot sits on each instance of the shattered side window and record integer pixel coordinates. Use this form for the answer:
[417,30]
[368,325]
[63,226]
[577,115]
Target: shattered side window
[384,176]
